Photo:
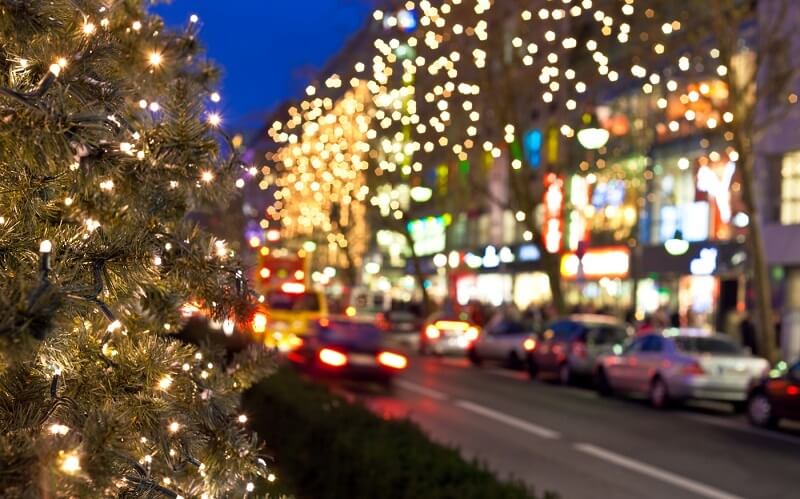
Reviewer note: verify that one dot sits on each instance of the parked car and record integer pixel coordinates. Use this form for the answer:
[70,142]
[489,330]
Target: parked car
[680,364]
[505,340]
[773,399]
[447,334]
[569,347]
[347,347]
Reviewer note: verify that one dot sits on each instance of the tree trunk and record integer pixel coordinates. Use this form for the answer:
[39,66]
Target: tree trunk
[761,278]
[552,267]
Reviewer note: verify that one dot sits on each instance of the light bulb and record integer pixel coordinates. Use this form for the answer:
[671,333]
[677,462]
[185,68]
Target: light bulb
[165,382]
[70,463]
[155,58]
[45,246]
[174,427]
[55,69]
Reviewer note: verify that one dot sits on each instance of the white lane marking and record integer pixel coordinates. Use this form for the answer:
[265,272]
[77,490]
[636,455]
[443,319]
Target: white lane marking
[413,387]
[653,472]
[743,427]
[520,424]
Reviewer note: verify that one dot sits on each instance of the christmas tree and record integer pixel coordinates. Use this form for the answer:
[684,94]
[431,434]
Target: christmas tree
[108,138]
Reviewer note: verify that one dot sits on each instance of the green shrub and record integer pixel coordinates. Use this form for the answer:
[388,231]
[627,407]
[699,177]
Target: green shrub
[327,447]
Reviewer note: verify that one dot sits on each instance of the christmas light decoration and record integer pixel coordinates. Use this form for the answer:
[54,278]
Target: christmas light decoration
[104,107]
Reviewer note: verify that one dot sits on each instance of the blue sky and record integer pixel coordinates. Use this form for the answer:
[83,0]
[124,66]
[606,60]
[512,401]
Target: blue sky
[268,49]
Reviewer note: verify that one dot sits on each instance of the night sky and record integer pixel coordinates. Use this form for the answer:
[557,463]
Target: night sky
[268,49]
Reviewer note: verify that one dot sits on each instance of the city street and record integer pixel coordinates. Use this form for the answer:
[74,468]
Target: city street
[571,441]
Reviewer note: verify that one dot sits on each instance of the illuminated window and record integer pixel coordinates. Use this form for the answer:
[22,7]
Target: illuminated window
[790,188]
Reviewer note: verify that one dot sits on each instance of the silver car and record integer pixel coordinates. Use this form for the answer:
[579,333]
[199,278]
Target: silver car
[681,364]
[508,341]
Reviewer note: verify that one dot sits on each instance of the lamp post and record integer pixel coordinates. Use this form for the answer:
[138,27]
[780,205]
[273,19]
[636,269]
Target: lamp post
[677,245]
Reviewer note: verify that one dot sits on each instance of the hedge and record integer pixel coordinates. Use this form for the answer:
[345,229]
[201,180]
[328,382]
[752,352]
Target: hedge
[326,447]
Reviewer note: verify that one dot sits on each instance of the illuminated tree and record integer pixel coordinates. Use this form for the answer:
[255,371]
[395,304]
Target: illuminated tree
[106,145]
[321,175]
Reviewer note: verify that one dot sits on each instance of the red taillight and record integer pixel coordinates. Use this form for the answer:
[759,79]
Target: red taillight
[792,390]
[529,344]
[381,322]
[432,332]
[579,349]
[472,334]
[259,322]
[393,360]
[332,357]
[693,369]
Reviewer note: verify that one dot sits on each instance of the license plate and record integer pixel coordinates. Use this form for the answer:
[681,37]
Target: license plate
[362,359]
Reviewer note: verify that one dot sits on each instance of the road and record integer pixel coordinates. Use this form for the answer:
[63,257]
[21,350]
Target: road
[575,443]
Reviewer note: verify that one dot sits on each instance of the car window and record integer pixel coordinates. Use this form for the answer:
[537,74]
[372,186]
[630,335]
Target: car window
[510,327]
[710,345]
[606,335]
[794,371]
[634,346]
[652,344]
[298,302]
[564,331]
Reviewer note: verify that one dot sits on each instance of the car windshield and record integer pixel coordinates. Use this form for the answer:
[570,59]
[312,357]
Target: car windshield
[296,302]
[699,344]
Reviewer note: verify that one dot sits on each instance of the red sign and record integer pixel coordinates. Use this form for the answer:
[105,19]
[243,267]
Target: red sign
[553,227]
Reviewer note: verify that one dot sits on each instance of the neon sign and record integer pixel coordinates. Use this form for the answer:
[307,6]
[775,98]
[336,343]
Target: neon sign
[718,187]
[596,263]
[553,227]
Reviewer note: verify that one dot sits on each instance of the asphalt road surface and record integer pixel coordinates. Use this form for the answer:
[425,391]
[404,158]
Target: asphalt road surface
[575,443]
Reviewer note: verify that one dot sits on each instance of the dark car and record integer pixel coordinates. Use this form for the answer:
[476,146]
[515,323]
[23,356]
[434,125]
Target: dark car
[570,346]
[402,324]
[773,399]
[347,347]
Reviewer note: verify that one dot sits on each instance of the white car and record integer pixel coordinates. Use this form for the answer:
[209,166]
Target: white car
[681,364]
[506,341]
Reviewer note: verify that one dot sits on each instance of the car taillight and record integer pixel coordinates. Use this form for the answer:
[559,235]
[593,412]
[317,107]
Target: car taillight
[432,332]
[529,344]
[472,334]
[393,360]
[381,322]
[579,349]
[332,357]
[792,390]
[693,369]
[259,322]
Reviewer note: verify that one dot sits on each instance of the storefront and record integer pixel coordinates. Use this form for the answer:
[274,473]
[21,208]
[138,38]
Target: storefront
[599,279]
[703,285]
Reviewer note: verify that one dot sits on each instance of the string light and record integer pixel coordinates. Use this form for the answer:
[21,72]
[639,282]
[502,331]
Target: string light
[70,462]
[165,382]
[155,58]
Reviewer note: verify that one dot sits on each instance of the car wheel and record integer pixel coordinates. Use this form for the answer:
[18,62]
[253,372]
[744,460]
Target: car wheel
[533,368]
[602,385]
[565,375]
[474,358]
[760,412]
[514,362]
[659,394]
[739,407]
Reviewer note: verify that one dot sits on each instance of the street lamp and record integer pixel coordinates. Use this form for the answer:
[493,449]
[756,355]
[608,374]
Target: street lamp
[421,194]
[677,246]
[591,135]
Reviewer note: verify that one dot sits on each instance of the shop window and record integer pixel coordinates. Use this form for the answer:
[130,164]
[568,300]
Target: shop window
[790,188]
